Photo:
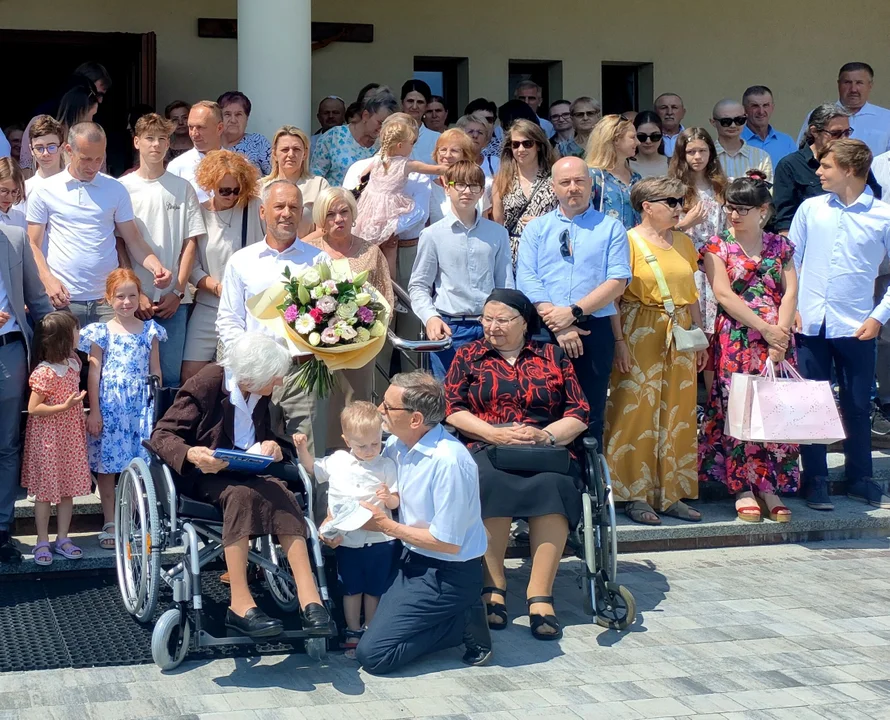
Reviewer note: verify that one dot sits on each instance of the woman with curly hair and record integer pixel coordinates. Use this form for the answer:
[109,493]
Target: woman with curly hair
[290,161]
[232,219]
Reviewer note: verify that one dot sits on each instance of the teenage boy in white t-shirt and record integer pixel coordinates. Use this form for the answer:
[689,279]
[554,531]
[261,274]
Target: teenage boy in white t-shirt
[365,559]
[46,139]
[169,217]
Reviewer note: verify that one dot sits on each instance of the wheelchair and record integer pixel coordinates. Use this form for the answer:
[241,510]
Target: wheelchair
[152,517]
[609,604]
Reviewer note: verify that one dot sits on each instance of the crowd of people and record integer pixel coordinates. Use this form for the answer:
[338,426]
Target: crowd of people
[592,273]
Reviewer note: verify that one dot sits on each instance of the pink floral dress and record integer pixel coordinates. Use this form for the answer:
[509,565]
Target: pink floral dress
[383,201]
[741,465]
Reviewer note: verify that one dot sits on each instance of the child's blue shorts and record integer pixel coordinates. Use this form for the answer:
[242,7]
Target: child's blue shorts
[367,570]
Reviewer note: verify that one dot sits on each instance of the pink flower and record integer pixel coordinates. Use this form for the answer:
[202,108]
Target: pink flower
[292,313]
[365,315]
[329,336]
[316,314]
[327,304]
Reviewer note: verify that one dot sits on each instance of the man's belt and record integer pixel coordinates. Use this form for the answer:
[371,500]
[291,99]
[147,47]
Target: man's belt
[11,337]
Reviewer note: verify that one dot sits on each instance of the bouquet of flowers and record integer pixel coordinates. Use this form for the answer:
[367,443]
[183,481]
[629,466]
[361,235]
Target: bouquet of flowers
[341,321]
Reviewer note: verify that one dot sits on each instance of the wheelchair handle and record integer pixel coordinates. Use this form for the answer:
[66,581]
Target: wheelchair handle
[590,444]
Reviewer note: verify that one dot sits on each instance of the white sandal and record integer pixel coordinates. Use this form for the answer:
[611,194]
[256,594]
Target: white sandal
[106,539]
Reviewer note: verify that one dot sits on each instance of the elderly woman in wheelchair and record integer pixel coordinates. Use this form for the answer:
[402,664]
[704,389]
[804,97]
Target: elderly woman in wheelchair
[227,407]
[519,404]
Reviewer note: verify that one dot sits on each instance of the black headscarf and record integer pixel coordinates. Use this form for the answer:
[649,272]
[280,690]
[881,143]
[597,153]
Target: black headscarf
[519,302]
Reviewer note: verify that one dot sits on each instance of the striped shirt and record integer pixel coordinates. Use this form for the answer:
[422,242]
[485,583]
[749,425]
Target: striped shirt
[747,158]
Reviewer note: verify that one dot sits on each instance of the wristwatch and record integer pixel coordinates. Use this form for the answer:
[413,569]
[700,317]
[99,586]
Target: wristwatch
[577,312]
[551,436]
[180,295]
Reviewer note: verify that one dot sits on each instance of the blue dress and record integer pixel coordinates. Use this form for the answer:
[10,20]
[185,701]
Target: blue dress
[612,197]
[124,396]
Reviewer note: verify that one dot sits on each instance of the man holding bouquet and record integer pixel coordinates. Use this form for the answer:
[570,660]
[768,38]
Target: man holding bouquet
[252,270]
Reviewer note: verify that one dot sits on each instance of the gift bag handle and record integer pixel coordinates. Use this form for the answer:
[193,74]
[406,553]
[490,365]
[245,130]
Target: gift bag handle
[784,369]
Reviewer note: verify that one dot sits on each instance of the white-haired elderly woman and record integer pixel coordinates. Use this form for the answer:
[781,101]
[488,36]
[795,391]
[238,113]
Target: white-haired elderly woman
[227,407]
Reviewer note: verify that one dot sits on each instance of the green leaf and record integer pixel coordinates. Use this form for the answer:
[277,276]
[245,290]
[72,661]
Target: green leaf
[287,272]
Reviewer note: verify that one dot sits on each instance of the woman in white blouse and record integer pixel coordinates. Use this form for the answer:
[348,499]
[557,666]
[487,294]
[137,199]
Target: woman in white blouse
[290,161]
[232,219]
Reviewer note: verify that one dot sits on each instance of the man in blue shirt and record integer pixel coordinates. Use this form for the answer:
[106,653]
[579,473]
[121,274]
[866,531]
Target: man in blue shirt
[435,601]
[759,107]
[840,240]
[574,262]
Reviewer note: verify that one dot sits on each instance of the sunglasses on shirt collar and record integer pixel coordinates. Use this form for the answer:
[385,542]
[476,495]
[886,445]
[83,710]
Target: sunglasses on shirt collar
[565,246]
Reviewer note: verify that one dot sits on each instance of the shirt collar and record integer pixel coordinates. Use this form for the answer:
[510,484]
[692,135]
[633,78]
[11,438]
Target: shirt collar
[748,134]
[427,444]
[865,200]
[295,246]
[455,220]
[561,216]
[867,109]
[69,178]
[742,151]
[480,348]
[236,396]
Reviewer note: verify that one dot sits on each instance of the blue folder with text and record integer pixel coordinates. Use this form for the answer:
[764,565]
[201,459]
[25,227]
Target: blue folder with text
[242,461]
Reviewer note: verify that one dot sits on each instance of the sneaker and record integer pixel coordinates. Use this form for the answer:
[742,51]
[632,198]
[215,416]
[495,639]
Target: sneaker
[868,491]
[816,494]
[880,423]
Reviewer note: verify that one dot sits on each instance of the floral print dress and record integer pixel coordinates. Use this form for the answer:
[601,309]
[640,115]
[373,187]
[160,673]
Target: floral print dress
[611,196]
[517,206]
[334,152]
[742,465]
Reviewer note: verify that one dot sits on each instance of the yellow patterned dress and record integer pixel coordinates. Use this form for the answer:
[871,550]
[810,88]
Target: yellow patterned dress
[650,435]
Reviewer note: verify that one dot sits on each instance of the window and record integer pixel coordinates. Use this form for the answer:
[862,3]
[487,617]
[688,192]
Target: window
[627,86]
[448,77]
[546,73]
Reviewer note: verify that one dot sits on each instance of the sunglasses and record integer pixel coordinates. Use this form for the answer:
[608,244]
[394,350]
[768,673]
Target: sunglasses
[585,113]
[228,192]
[653,137]
[728,122]
[527,144]
[838,134]
[565,247]
[671,202]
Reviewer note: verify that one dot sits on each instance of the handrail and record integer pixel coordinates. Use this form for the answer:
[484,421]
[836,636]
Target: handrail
[423,345]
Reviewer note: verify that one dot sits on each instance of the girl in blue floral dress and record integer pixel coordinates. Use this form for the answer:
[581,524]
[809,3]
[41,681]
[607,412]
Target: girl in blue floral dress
[123,354]
[609,149]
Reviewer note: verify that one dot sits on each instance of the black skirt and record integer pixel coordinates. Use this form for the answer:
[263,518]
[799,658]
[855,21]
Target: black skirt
[514,495]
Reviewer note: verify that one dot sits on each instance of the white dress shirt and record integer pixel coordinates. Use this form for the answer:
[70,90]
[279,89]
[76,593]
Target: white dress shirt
[185,166]
[871,125]
[439,491]
[349,478]
[249,272]
[457,267]
[417,187]
[245,432]
[880,167]
[425,145]
[838,251]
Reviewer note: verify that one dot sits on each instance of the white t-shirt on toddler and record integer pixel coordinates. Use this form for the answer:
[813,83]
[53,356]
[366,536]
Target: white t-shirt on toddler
[348,477]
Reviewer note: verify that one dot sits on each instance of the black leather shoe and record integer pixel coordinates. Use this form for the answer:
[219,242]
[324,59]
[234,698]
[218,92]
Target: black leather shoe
[816,493]
[315,618]
[255,624]
[477,636]
[9,553]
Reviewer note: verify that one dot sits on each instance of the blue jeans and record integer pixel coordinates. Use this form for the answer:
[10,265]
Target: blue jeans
[172,350]
[13,380]
[463,332]
[854,365]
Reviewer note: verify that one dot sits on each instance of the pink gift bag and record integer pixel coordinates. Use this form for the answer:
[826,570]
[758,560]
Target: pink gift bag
[773,409]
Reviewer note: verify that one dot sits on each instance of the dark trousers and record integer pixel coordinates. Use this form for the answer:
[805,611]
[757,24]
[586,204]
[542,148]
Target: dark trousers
[854,366]
[594,368]
[422,612]
[13,381]
[463,332]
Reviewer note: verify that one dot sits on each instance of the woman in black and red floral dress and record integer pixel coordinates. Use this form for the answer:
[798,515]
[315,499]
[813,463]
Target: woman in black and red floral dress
[508,390]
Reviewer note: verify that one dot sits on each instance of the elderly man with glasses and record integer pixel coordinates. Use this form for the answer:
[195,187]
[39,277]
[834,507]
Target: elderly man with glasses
[735,155]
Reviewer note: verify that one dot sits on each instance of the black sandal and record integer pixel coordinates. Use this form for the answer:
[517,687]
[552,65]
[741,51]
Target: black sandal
[499,610]
[538,621]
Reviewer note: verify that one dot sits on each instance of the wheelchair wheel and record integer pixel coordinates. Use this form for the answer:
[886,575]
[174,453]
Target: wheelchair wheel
[281,584]
[615,608]
[166,649]
[607,537]
[317,648]
[136,525]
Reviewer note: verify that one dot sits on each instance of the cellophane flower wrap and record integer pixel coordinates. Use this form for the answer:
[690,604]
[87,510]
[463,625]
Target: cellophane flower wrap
[340,319]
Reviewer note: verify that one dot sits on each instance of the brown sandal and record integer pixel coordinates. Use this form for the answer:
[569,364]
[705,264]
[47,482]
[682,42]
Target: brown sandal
[682,511]
[636,511]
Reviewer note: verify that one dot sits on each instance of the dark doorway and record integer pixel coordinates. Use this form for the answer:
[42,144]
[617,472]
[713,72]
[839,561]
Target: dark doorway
[546,73]
[48,58]
[626,86]
[448,77]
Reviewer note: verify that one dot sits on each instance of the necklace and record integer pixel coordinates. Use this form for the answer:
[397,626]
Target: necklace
[228,223]
[331,249]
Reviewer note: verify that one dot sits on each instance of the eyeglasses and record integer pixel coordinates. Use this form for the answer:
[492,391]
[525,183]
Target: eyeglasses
[727,122]
[565,246]
[389,408]
[463,187]
[742,211]
[560,116]
[527,98]
[527,144]
[499,322]
[651,137]
[671,202]
[52,149]
[228,192]
[838,134]
[585,113]
[6,192]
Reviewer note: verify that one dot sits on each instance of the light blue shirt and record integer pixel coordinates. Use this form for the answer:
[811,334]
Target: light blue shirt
[871,125]
[777,144]
[439,491]
[670,141]
[600,252]
[457,267]
[838,250]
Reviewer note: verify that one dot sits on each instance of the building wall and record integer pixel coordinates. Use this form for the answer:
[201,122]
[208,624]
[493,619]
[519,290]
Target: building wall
[792,46]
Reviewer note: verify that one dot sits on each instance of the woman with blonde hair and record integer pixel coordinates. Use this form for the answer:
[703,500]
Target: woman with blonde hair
[453,146]
[522,188]
[611,145]
[478,128]
[384,198]
[12,190]
[290,161]
[232,219]
[334,215]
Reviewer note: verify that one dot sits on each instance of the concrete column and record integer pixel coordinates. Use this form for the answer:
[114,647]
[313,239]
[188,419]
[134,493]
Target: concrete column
[275,63]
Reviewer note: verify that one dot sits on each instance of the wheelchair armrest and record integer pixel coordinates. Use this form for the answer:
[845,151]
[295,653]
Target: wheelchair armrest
[590,445]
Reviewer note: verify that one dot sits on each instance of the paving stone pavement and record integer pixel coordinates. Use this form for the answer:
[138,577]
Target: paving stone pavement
[784,632]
